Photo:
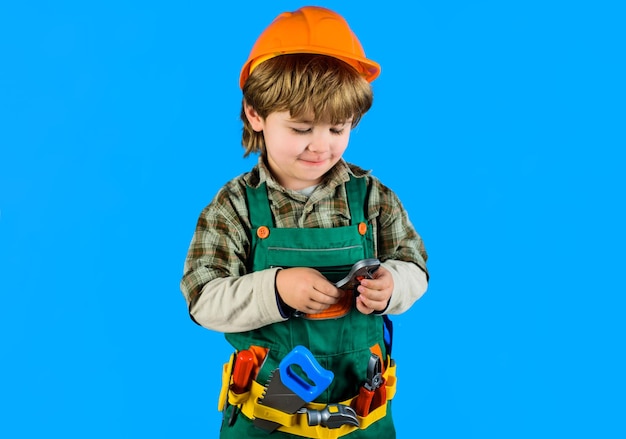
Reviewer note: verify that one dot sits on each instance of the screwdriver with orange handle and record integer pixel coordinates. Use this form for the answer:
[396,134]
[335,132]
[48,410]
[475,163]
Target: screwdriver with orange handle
[245,362]
[242,371]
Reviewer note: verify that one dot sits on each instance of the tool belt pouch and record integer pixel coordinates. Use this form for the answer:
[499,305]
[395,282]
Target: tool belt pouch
[390,379]
[227,395]
[227,371]
[232,391]
[296,423]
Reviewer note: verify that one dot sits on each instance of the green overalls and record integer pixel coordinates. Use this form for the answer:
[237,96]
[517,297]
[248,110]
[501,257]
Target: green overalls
[342,344]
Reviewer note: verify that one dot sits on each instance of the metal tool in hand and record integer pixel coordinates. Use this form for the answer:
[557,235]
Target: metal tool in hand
[363,269]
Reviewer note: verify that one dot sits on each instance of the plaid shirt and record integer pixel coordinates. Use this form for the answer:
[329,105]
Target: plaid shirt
[220,246]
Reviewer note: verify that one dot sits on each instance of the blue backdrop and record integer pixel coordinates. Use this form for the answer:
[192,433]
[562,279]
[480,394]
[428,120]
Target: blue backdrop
[499,124]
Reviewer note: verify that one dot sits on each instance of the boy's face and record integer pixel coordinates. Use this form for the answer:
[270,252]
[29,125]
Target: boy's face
[300,152]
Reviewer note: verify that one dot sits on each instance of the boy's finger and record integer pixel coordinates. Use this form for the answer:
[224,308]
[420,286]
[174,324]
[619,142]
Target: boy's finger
[370,293]
[324,299]
[328,289]
[372,284]
[361,307]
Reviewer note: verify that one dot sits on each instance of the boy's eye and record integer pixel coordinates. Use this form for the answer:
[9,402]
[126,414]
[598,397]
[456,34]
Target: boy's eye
[335,131]
[301,131]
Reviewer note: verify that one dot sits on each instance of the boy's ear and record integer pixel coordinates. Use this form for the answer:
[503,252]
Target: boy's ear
[256,121]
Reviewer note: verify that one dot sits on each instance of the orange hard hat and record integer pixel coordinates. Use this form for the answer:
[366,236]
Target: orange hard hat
[310,29]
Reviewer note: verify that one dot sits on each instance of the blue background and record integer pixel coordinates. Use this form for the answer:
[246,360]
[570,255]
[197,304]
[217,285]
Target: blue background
[499,124]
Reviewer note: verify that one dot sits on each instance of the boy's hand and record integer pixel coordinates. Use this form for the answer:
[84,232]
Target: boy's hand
[374,294]
[306,290]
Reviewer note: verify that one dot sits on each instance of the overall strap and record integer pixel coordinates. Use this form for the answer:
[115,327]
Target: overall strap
[356,191]
[259,206]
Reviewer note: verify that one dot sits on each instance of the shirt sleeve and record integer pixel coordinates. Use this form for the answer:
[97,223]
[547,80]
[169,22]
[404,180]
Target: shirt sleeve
[398,246]
[221,295]
[237,304]
[409,284]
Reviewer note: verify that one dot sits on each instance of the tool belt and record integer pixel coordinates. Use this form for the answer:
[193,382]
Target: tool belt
[296,423]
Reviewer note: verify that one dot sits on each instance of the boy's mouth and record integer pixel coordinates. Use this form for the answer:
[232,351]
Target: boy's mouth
[314,160]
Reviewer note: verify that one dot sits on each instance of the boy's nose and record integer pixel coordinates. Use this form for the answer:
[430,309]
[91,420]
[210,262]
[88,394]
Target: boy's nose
[320,143]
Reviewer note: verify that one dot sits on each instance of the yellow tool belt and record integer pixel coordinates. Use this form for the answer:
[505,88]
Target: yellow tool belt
[297,423]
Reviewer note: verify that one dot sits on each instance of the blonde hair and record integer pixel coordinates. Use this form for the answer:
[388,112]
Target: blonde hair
[304,84]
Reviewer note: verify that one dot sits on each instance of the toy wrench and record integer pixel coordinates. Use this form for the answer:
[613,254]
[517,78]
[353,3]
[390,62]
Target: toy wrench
[364,269]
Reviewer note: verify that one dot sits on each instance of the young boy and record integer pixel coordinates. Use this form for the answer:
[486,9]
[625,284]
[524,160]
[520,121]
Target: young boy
[267,251]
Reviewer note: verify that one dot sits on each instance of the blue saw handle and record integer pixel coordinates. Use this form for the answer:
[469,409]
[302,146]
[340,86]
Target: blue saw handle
[320,377]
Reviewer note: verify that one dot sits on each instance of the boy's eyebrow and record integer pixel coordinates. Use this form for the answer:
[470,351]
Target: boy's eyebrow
[311,122]
[300,120]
